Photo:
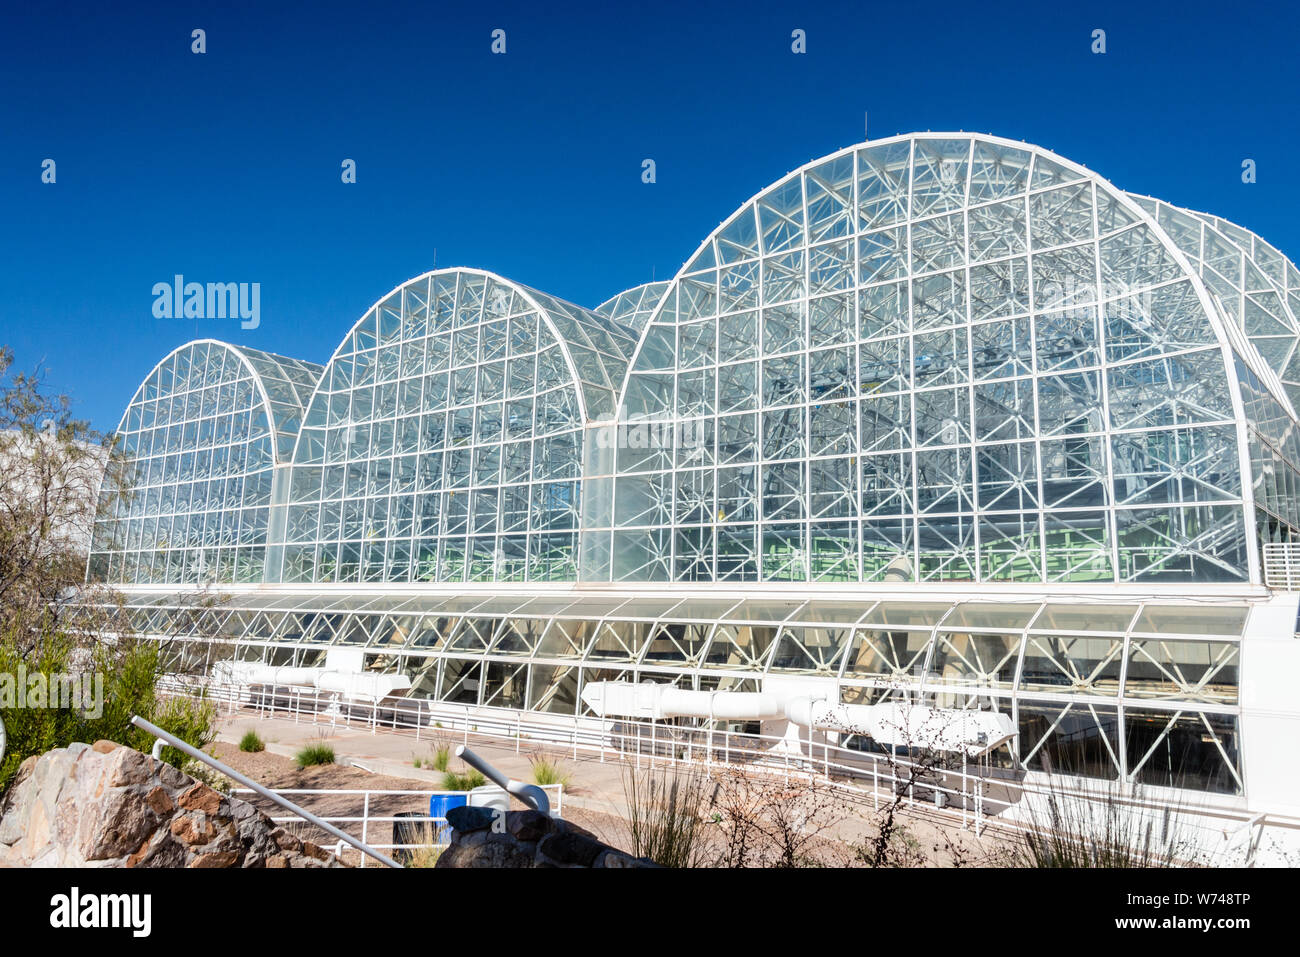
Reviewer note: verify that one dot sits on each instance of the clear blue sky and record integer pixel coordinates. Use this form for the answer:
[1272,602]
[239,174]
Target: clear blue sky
[225,166]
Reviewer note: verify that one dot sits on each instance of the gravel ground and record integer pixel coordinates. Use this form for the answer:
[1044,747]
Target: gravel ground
[935,842]
[281,773]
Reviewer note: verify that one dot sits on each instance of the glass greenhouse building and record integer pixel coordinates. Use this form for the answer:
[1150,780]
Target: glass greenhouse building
[938,418]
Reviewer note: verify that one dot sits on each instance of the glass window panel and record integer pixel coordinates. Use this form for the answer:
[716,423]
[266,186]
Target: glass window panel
[566,638]
[505,684]
[984,661]
[619,640]
[553,689]
[894,654]
[1058,617]
[1183,670]
[989,615]
[1072,665]
[1195,619]
[1183,750]
[810,650]
[677,642]
[739,646]
[1077,738]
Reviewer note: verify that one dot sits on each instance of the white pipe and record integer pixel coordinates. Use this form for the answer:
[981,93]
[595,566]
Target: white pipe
[528,793]
[364,685]
[900,725]
[355,685]
[649,700]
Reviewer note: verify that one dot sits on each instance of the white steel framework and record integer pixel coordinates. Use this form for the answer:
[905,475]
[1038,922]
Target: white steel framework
[941,421]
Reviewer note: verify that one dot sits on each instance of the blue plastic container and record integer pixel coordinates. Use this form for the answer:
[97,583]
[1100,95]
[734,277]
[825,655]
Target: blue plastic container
[439,805]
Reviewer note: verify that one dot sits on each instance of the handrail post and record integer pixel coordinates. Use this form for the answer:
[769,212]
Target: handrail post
[365,822]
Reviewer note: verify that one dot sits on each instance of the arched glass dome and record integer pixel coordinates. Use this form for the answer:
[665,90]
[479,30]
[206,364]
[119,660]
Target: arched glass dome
[201,439]
[1253,293]
[633,307]
[445,441]
[937,358]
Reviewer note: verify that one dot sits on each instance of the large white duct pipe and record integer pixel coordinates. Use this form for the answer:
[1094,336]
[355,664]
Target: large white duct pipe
[657,701]
[889,724]
[365,685]
[905,725]
[342,674]
[253,672]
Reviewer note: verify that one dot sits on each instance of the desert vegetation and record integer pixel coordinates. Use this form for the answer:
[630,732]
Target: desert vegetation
[53,626]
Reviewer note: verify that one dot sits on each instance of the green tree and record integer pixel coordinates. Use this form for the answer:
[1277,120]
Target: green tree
[53,624]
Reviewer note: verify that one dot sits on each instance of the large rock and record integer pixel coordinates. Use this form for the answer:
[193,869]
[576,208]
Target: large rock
[525,839]
[111,806]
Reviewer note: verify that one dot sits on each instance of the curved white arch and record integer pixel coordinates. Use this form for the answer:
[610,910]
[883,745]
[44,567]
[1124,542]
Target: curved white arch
[634,307]
[708,257]
[529,295]
[1119,195]
[250,359]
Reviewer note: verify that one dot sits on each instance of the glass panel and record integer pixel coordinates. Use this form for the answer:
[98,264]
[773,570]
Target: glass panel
[896,655]
[553,688]
[844,613]
[566,639]
[1186,670]
[765,611]
[1056,617]
[504,684]
[1073,665]
[1194,619]
[676,642]
[1183,750]
[810,650]
[1075,738]
[619,640]
[985,661]
[461,678]
[909,614]
[739,646]
[474,634]
[519,636]
[980,615]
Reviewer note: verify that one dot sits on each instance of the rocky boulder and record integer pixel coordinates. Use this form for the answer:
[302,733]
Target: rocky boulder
[111,806]
[483,837]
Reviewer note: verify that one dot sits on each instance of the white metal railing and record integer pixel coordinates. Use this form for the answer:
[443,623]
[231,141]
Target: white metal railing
[1282,565]
[641,742]
[368,798]
[300,813]
[976,795]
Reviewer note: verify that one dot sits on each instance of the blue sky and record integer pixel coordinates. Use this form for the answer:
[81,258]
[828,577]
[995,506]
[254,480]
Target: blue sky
[225,167]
